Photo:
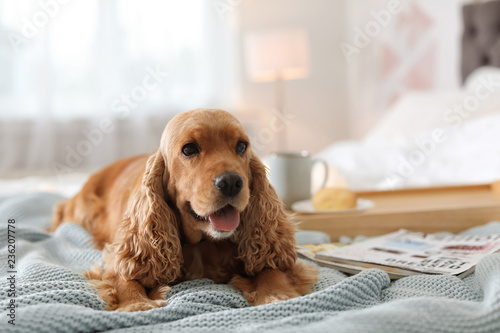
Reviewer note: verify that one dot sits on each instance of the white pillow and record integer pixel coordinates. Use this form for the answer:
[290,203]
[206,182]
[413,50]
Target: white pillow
[415,112]
[479,74]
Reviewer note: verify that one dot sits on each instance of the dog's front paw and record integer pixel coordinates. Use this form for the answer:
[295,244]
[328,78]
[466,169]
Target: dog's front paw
[260,297]
[274,285]
[143,305]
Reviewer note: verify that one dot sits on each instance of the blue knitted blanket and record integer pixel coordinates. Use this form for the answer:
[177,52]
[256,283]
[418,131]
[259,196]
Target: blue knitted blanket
[43,291]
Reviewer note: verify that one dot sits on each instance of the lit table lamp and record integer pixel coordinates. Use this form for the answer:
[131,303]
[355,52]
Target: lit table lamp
[275,56]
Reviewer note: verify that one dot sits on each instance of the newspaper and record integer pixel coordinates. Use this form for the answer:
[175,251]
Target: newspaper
[404,253]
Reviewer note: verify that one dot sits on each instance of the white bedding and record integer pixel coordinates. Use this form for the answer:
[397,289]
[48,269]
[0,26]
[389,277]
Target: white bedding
[469,155]
[428,139]
[417,112]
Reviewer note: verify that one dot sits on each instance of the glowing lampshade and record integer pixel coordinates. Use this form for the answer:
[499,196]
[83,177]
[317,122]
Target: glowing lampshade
[277,55]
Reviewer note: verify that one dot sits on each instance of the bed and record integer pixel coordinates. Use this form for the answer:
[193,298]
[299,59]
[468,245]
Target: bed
[44,290]
[52,296]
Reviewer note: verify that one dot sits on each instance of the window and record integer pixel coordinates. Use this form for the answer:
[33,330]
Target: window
[70,59]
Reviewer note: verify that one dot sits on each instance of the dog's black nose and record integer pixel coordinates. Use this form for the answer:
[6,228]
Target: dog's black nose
[229,183]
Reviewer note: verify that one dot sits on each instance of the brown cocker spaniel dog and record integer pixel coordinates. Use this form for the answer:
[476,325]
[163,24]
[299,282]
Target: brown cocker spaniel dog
[200,207]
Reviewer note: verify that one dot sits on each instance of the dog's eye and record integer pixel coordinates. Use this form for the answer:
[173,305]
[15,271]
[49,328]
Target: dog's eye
[190,149]
[241,148]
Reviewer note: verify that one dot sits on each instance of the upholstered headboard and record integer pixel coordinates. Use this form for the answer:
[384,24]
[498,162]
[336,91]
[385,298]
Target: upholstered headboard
[481,36]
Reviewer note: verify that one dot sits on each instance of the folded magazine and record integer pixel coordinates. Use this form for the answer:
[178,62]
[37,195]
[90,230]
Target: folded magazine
[405,253]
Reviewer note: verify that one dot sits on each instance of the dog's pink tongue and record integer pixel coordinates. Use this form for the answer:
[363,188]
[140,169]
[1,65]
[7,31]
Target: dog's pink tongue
[226,219]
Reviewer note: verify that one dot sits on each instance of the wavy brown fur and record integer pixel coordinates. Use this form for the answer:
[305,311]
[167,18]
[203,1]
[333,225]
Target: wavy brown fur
[140,211]
[150,250]
[267,239]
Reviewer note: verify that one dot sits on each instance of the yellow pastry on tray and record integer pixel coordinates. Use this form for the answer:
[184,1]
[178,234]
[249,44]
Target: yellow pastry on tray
[332,198]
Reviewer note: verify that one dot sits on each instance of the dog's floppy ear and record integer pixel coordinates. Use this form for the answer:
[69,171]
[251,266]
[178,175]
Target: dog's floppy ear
[150,250]
[267,237]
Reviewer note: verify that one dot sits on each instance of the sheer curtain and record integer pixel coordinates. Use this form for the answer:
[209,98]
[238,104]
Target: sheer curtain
[67,66]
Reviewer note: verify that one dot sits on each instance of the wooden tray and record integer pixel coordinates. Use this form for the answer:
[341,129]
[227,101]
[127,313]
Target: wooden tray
[429,210]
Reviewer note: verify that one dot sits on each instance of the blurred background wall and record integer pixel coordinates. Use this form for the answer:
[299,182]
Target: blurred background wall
[83,83]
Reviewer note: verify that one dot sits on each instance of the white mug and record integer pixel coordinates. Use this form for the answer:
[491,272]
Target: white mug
[290,175]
